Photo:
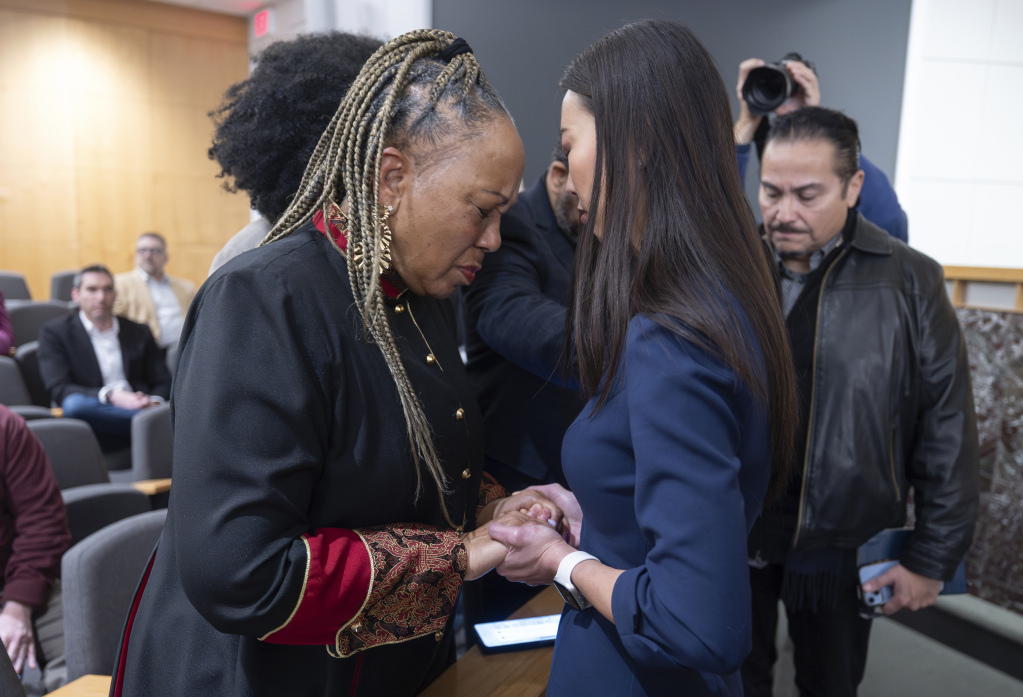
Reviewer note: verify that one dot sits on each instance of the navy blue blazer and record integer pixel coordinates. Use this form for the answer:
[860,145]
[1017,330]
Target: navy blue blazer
[68,365]
[515,331]
[670,475]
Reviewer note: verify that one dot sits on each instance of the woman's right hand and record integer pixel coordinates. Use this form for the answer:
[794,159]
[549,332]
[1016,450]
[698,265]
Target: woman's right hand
[535,549]
[482,551]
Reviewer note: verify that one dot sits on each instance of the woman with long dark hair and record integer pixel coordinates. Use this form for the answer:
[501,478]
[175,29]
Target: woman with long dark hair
[683,354]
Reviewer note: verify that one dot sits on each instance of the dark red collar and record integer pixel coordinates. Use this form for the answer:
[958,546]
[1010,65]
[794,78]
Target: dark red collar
[338,224]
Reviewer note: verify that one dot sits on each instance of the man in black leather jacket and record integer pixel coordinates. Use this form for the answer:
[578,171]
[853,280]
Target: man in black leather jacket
[886,406]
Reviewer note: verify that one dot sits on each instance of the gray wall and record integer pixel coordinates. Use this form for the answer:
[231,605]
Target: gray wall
[859,47]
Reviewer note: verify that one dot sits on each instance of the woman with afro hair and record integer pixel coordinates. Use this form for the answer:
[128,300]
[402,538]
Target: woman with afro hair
[269,124]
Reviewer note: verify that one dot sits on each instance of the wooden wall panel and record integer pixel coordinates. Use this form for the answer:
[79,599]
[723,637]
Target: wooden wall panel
[36,129]
[37,208]
[171,19]
[113,208]
[32,50]
[104,105]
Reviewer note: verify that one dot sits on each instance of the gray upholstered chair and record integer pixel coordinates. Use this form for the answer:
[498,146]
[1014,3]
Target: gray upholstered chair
[92,502]
[28,316]
[172,358]
[118,464]
[99,576]
[14,286]
[60,285]
[10,684]
[31,412]
[73,451]
[14,394]
[151,443]
[12,385]
[27,357]
[94,506]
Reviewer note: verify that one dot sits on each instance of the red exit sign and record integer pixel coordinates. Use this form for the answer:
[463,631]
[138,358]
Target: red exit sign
[261,23]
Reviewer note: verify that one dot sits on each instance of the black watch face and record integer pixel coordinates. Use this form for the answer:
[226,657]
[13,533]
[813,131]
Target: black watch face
[567,595]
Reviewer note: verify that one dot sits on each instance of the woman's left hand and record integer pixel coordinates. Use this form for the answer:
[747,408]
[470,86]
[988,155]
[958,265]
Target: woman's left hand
[535,549]
[482,552]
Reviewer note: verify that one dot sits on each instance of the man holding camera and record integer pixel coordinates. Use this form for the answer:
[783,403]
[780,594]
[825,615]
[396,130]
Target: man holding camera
[885,406]
[878,202]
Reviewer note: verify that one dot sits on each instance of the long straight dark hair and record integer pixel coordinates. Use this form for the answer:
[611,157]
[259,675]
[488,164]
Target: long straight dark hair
[678,241]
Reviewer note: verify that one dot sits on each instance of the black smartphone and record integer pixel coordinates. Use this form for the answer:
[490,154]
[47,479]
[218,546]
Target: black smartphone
[515,635]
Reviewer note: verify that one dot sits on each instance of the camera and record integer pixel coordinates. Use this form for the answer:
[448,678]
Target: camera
[766,88]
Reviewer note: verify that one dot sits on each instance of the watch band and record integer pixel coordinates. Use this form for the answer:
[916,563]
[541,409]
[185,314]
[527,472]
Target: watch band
[563,580]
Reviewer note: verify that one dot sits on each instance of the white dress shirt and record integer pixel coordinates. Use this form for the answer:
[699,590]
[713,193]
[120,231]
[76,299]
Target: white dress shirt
[168,309]
[107,348]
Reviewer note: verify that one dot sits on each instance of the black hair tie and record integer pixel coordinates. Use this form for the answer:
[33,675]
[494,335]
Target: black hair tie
[454,48]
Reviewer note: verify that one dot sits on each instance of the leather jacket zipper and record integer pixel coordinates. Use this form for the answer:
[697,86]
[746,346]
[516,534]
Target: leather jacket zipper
[813,398]
[891,464]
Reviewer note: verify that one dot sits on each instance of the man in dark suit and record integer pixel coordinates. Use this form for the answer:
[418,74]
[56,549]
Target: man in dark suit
[515,333]
[101,368]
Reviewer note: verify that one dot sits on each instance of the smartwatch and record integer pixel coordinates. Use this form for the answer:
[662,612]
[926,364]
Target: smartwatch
[563,580]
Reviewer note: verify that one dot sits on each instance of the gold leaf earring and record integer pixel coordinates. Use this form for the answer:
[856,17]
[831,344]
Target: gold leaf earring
[384,247]
[385,241]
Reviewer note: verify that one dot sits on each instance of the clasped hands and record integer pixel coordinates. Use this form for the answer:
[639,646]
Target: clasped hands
[126,399]
[526,535]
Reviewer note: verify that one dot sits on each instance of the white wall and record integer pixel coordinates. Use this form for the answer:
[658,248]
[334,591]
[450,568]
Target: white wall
[383,19]
[859,47]
[958,173]
[287,20]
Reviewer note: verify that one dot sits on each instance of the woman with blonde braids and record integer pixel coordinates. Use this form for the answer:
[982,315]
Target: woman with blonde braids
[328,449]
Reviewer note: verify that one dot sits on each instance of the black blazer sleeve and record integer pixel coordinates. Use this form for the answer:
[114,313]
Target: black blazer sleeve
[62,361]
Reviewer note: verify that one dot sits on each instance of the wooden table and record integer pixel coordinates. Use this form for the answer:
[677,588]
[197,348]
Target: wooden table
[152,487]
[85,686]
[515,674]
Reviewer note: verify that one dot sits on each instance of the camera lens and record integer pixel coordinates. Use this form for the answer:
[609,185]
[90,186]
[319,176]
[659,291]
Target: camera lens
[767,88]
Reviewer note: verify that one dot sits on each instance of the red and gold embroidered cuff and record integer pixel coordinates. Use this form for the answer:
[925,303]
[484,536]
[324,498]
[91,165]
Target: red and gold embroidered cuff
[490,491]
[337,581]
[417,574]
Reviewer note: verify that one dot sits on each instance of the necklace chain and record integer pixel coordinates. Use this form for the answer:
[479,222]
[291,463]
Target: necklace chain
[408,306]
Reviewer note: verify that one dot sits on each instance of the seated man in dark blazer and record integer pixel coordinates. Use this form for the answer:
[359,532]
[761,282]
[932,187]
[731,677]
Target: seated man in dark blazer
[101,368]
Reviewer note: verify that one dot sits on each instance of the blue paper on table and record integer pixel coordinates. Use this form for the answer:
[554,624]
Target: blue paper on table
[888,544]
